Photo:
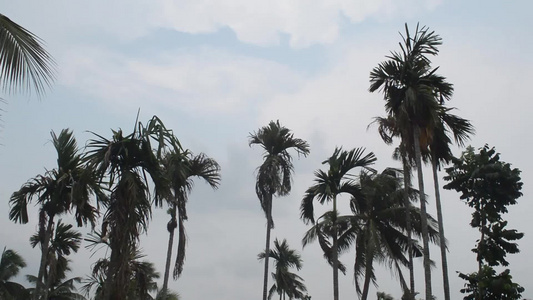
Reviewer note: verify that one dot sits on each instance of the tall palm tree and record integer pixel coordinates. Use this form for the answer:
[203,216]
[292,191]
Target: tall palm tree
[328,186]
[274,175]
[66,189]
[126,163]
[379,226]
[10,264]
[286,282]
[24,63]
[412,91]
[180,168]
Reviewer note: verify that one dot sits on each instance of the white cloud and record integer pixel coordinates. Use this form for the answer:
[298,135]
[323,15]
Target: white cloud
[208,81]
[261,22]
[258,22]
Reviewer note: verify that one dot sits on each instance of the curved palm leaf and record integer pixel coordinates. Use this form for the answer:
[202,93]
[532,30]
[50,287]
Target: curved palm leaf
[24,63]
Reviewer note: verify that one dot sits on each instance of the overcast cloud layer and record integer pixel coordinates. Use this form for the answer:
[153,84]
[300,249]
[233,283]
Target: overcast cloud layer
[214,71]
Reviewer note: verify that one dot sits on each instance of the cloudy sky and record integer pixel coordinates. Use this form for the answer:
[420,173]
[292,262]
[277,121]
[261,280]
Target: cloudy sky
[214,71]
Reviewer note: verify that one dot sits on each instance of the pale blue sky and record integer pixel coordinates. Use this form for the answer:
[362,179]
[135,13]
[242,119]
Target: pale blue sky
[215,71]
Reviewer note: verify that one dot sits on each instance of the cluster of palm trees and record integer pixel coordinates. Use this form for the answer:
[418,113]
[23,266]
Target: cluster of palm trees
[112,179]
[384,221]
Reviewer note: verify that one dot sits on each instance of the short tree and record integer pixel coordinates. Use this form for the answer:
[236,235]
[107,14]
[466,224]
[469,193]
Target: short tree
[488,185]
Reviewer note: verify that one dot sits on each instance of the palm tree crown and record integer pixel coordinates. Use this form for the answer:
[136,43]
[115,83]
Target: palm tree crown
[10,264]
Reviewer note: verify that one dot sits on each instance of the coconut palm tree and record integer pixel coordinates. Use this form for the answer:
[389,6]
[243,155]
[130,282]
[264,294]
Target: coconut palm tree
[388,130]
[379,226]
[142,277]
[128,164]
[10,264]
[24,63]
[180,168]
[286,283]
[62,289]
[328,186]
[412,91]
[274,175]
[66,189]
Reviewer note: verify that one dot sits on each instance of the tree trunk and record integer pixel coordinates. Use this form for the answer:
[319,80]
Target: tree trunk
[171,228]
[446,284]
[267,246]
[407,204]
[368,269]
[423,216]
[335,253]
[39,287]
[479,258]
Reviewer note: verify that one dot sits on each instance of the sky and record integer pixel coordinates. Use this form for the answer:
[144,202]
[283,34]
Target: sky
[216,71]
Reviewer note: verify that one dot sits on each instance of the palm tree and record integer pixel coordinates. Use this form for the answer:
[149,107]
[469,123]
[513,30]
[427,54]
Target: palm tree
[286,282]
[412,92]
[63,190]
[65,240]
[379,226]
[24,63]
[126,163]
[274,175]
[328,186]
[141,277]
[10,264]
[62,289]
[180,168]
[389,129]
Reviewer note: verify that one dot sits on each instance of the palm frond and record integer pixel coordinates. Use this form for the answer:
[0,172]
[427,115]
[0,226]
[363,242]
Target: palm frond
[24,63]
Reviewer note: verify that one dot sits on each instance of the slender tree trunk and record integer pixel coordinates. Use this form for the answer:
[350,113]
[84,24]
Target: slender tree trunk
[171,228]
[407,204]
[368,269]
[479,259]
[335,253]
[267,246]
[446,284]
[423,216]
[39,287]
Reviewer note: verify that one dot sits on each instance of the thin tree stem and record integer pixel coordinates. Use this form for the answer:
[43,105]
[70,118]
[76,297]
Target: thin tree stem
[335,253]
[423,216]
[39,287]
[169,251]
[407,204]
[267,246]
[440,219]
